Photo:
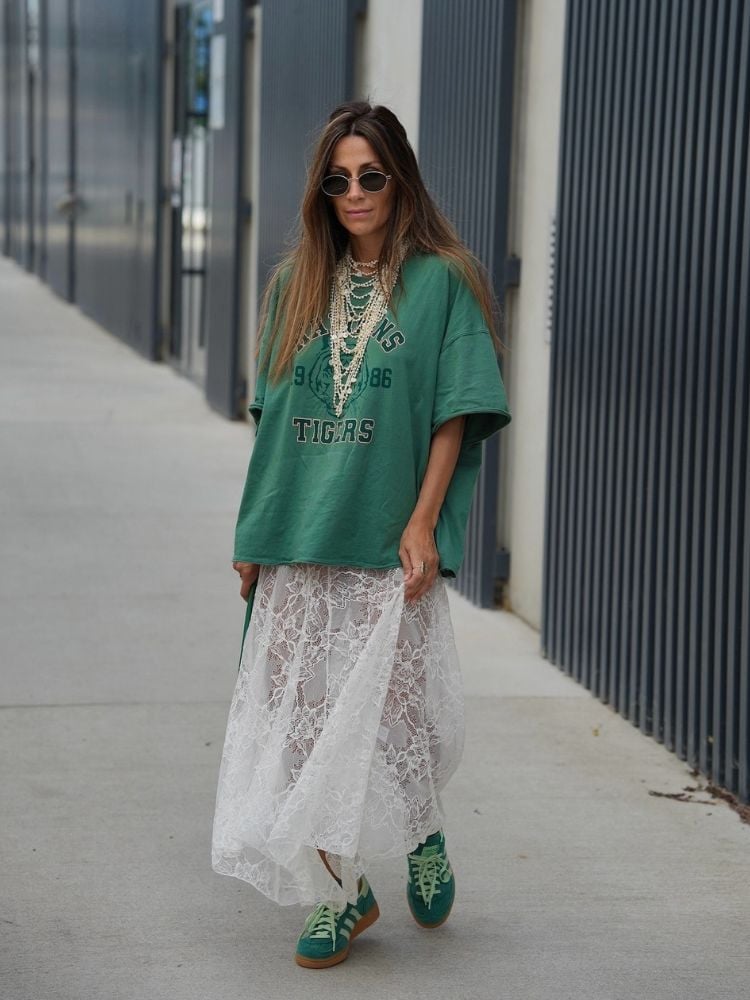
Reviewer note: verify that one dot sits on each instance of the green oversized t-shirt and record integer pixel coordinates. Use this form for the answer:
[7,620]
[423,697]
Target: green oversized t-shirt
[340,490]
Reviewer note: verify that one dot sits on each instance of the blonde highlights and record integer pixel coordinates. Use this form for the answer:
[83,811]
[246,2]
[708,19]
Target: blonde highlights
[307,268]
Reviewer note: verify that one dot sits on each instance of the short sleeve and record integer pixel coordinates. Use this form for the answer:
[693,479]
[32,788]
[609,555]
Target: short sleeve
[468,372]
[469,382]
[256,407]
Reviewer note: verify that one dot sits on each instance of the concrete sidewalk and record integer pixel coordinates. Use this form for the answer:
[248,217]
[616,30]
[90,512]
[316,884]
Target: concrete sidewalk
[120,621]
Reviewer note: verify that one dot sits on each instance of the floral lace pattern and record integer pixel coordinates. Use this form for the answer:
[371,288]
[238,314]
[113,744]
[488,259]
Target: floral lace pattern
[346,722]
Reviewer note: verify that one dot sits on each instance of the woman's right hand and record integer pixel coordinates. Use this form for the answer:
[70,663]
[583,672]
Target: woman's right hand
[248,574]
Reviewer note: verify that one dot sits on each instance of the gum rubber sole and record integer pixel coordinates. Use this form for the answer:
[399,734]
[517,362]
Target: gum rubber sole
[325,963]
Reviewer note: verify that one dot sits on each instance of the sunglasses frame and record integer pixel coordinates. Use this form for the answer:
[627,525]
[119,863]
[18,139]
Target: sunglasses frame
[349,182]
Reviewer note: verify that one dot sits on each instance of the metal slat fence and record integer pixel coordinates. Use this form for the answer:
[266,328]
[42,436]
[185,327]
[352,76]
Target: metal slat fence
[647,548]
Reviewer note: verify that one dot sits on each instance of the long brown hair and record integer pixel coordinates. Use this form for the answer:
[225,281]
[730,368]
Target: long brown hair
[322,240]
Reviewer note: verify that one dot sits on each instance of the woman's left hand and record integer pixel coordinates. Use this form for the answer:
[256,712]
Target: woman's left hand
[417,546]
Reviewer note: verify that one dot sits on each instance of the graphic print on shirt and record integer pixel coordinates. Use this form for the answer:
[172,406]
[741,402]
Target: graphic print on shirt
[318,377]
[386,335]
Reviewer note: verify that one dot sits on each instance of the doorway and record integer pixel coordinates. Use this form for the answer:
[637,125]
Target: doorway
[190,185]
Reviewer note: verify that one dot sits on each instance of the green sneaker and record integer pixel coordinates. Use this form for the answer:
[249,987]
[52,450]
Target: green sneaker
[431,888]
[328,932]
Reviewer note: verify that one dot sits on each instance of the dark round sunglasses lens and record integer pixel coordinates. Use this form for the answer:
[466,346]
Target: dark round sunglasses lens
[372,180]
[335,184]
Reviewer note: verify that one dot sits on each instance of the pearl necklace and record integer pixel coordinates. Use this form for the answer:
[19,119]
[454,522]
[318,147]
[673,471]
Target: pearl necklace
[356,310]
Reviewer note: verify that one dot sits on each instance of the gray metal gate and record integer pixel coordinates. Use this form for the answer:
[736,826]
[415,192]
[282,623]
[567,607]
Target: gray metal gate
[647,550]
[465,130]
[306,69]
[118,163]
[81,109]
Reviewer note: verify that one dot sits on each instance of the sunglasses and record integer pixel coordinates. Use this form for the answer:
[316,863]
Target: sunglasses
[371,181]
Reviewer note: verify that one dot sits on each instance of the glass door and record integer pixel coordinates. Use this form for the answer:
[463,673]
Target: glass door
[189,187]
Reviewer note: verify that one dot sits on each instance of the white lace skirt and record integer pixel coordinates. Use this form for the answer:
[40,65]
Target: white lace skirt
[346,722]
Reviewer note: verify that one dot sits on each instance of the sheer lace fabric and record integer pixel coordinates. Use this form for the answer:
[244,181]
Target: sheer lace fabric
[346,722]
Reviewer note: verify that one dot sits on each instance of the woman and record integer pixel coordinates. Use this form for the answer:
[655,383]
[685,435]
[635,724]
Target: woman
[377,383]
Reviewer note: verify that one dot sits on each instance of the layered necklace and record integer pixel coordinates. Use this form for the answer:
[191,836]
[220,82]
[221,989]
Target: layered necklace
[357,307]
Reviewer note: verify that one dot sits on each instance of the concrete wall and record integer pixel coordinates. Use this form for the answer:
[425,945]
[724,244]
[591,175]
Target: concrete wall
[389,61]
[539,58]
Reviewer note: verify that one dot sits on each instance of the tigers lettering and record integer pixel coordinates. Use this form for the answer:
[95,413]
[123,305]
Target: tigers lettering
[313,430]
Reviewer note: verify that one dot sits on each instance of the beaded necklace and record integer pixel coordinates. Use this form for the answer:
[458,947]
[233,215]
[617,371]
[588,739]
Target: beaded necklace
[357,307]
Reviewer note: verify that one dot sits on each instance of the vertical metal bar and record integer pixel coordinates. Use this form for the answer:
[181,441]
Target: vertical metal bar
[674,253]
[728,580]
[645,155]
[563,339]
[569,360]
[576,482]
[646,344]
[658,596]
[704,529]
[695,471]
[618,401]
[640,151]
[551,549]
[591,629]
[726,336]
[739,618]
[612,305]
[582,620]
[680,555]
